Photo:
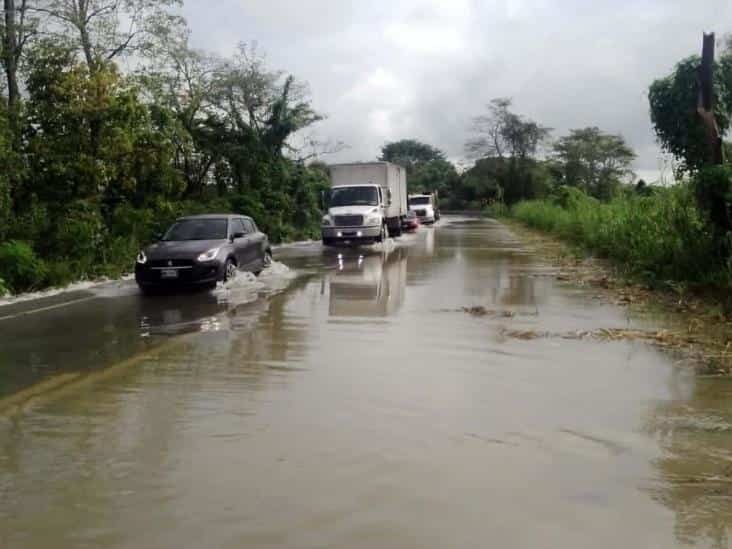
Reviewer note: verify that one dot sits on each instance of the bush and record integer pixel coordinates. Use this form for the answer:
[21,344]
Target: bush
[20,269]
[662,237]
[3,288]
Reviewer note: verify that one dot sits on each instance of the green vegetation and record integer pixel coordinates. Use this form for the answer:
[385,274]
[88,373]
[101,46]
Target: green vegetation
[678,235]
[96,159]
[662,238]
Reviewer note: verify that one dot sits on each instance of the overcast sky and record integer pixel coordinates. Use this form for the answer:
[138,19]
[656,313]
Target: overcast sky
[382,70]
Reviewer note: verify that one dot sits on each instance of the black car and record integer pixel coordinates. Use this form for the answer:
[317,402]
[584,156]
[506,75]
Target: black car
[201,250]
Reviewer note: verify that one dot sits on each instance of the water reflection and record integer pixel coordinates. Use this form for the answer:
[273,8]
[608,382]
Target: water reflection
[367,284]
[694,431]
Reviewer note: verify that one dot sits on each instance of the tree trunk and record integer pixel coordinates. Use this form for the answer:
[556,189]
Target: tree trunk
[705,101]
[10,55]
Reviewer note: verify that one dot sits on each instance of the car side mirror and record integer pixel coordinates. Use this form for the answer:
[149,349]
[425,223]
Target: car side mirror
[236,235]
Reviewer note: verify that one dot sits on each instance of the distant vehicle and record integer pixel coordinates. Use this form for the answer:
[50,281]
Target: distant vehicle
[202,250]
[411,221]
[366,203]
[425,206]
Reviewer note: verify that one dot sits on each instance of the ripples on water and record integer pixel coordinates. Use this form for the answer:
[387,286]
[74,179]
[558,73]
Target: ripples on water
[346,401]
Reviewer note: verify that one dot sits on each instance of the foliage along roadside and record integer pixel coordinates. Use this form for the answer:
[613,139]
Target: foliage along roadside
[95,161]
[664,238]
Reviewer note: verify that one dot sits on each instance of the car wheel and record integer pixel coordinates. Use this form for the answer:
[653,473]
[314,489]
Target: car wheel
[229,270]
[266,262]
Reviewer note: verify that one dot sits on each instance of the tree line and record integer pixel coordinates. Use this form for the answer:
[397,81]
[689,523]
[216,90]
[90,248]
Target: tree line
[515,158]
[112,125]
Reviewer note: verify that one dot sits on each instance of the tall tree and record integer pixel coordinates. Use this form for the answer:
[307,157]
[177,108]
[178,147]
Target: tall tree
[674,110]
[16,30]
[410,153]
[489,140]
[593,160]
[106,29]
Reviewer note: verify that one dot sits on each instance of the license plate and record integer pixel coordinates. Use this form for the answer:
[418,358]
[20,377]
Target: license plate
[169,273]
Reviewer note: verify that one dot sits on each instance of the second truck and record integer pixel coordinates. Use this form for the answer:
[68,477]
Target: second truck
[366,203]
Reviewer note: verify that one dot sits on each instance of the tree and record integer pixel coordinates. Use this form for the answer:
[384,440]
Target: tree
[673,103]
[593,160]
[410,153]
[16,30]
[489,129]
[436,175]
[106,29]
[502,132]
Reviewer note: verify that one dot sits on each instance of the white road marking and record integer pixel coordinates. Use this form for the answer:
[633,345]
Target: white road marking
[49,308]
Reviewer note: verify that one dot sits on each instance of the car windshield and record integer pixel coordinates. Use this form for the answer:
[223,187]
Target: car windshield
[198,229]
[419,200]
[354,196]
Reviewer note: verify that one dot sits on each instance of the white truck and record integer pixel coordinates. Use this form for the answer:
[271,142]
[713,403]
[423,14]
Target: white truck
[371,285]
[425,205]
[366,203]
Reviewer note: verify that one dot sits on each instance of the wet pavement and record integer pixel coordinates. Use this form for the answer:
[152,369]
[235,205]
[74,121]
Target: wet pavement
[350,401]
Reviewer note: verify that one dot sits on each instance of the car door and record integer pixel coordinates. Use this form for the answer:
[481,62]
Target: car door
[255,242]
[239,244]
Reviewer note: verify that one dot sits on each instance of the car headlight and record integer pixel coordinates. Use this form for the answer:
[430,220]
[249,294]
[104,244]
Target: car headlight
[326,220]
[141,258]
[209,255]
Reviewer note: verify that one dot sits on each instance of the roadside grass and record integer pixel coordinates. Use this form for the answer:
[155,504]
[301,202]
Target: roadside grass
[662,238]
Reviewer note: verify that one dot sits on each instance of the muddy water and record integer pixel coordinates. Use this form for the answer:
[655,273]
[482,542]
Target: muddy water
[352,403]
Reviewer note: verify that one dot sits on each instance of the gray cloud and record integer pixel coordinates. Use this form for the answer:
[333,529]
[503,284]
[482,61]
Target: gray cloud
[386,69]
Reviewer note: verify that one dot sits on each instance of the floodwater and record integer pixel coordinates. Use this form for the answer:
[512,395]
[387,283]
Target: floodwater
[349,401]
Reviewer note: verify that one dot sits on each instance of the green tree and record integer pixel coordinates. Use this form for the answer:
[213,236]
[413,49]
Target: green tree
[594,161]
[435,175]
[410,153]
[673,105]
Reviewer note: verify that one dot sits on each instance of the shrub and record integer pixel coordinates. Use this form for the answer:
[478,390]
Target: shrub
[20,269]
[660,237]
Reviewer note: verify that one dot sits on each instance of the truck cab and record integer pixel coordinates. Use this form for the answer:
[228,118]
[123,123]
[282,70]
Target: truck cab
[369,285]
[356,213]
[425,206]
[366,203]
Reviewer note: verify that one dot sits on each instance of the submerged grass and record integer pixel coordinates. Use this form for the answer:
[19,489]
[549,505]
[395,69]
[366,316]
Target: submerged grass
[661,238]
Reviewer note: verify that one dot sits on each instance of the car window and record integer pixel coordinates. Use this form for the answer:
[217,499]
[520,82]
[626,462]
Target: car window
[237,227]
[249,226]
[197,229]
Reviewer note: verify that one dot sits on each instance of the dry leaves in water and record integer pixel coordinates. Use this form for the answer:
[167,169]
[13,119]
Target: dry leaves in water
[662,338]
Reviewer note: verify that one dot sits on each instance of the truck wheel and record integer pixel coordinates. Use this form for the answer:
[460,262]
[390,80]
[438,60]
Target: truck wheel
[397,231]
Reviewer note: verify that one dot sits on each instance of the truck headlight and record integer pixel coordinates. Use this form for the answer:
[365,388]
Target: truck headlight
[208,256]
[372,220]
[141,258]
[326,220]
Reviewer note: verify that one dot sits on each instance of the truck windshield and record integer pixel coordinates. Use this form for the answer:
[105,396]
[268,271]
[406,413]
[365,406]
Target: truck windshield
[354,196]
[419,200]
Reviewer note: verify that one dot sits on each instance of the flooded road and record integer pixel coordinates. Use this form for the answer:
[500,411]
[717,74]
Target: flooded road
[352,402]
